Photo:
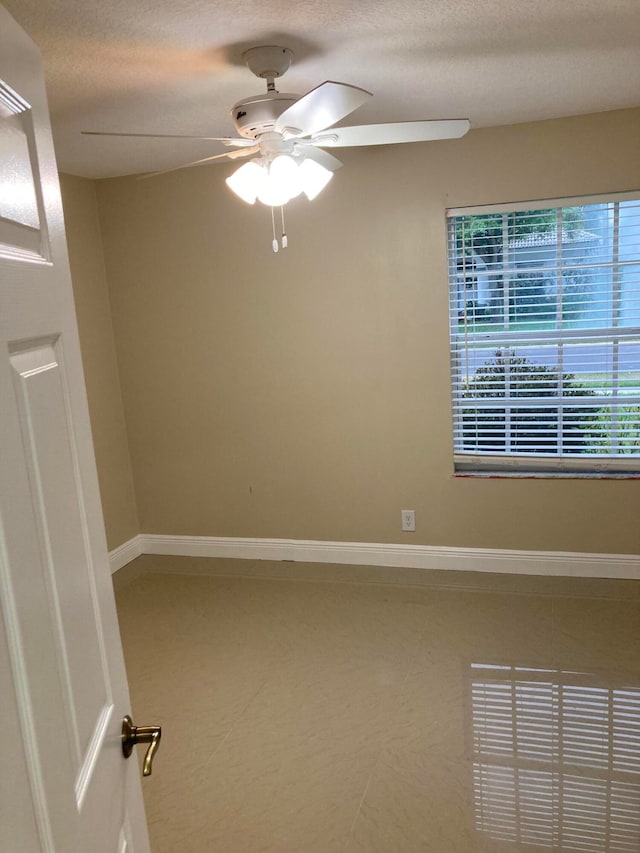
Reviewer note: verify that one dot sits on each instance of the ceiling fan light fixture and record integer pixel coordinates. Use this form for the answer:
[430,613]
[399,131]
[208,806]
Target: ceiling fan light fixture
[314,178]
[278,183]
[247,181]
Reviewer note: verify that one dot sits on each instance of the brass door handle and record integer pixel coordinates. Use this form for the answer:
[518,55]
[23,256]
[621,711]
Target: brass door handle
[131,735]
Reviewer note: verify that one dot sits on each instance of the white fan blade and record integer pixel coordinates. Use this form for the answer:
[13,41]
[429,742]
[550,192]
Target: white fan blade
[321,107]
[391,133]
[229,155]
[310,152]
[226,140]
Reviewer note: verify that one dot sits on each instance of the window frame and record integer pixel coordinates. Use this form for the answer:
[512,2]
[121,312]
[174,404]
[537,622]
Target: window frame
[515,463]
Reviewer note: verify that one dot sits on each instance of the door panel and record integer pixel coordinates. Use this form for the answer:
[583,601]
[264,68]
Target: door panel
[48,443]
[21,204]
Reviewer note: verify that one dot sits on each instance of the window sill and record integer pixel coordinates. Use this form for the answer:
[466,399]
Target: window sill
[547,475]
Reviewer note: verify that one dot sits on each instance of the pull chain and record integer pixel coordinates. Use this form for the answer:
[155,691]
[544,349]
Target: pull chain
[284,242]
[274,242]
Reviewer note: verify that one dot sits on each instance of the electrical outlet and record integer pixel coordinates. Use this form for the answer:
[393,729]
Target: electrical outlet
[408,520]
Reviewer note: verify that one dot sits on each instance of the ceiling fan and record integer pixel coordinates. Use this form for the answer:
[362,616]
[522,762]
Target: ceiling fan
[287,134]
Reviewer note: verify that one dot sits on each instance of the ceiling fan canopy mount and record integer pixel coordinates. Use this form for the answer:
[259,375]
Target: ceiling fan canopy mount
[268,61]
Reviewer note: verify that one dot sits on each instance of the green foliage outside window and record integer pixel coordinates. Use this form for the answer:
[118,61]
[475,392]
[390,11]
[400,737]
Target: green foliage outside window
[527,430]
[627,431]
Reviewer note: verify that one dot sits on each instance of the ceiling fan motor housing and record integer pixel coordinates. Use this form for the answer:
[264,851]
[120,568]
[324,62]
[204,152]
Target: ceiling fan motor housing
[255,116]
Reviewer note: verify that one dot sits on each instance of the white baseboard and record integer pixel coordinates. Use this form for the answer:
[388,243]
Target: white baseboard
[125,553]
[553,563]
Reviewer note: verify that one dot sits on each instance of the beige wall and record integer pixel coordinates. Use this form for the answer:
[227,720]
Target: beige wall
[306,394]
[99,359]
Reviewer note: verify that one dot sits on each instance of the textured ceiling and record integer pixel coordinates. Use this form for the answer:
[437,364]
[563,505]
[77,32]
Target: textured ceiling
[174,66]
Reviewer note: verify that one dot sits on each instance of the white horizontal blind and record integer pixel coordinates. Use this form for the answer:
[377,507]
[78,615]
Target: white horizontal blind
[556,759]
[545,336]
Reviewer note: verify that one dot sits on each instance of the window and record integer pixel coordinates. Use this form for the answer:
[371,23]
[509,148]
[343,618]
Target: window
[545,335]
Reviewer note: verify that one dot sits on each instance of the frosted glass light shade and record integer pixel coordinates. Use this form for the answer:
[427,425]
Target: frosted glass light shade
[282,182]
[314,178]
[272,193]
[247,181]
[286,173]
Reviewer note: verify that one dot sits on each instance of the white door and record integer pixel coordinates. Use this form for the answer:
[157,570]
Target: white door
[65,786]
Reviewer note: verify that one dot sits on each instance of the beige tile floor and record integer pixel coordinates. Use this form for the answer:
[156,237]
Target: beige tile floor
[452,713]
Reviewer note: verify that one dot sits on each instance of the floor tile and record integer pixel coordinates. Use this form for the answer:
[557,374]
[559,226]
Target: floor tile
[482,716]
